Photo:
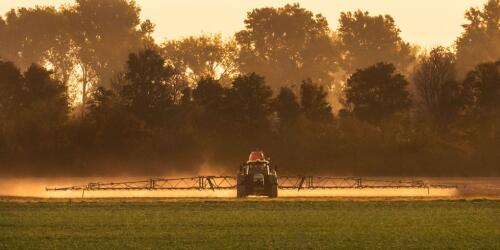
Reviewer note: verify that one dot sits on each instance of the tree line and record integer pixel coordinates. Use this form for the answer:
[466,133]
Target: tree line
[84,89]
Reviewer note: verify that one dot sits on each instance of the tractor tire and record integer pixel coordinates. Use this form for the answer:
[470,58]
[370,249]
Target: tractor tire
[241,191]
[274,191]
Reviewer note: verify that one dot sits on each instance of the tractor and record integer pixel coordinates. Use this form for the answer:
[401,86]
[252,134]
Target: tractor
[256,177]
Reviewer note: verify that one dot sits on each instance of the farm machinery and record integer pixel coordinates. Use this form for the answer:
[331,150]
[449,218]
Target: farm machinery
[256,177]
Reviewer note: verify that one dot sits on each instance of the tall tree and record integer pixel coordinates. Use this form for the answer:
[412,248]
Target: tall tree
[249,104]
[483,84]
[314,103]
[87,42]
[105,32]
[11,89]
[3,26]
[287,45]
[287,106]
[35,107]
[147,89]
[202,57]
[3,42]
[39,35]
[61,55]
[46,94]
[367,40]
[435,80]
[209,96]
[376,93]
[480,40]
[111,126]
[208,91]
[44,114]
[29,34]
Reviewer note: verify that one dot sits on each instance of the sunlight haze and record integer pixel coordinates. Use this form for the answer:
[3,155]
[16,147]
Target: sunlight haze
[426,22]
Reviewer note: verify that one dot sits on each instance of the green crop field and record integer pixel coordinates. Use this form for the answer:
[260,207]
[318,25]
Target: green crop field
[250,224]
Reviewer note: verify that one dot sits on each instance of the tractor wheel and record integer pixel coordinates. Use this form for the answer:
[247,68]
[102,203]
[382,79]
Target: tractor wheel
[274,191]
[240,191]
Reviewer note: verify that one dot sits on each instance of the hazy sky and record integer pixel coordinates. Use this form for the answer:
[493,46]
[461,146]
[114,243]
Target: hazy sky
[424,22]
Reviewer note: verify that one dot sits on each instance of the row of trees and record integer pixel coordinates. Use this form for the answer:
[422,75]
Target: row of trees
[142,120]
[358,100]
[86,44]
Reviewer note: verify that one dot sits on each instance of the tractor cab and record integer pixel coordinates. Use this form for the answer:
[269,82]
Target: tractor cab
[256,164]
[256,177]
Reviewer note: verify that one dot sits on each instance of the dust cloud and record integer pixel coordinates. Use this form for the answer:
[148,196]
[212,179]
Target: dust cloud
[35,187]
[371,192]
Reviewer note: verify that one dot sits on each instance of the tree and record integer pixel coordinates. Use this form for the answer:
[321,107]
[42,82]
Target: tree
[147,89]
[40,35]
[369,39]
[107,39]
[43,91]
[376,93]
[249,104]
[111,127]
[208,91]
[287,107]
[87,42]
[104,32]
[209,97]
[313,102]
[480,40]
[287,45]
[35,109]
[483,85]
[202,57]
[483,113]
[44,114]
[435,80]
[3,25]
[11,91]
[61,55]
[29,33]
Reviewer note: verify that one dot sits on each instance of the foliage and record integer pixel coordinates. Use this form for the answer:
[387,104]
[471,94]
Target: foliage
[484,84]
[147,109]
[147,90]
[202,57]
[367,40]
[483,109]
[250,102]
[287,107]
[82,42]
[287,45]
[439,92]
[479,42]
[34,109]
[314,103]
[376,93]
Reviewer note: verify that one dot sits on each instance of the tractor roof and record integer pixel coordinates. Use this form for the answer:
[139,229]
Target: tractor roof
[257,156]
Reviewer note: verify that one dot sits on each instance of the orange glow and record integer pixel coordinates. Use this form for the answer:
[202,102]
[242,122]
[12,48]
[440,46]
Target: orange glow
[426,22]
[35,187]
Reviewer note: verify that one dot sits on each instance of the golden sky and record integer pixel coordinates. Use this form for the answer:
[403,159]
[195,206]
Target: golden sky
[424,22]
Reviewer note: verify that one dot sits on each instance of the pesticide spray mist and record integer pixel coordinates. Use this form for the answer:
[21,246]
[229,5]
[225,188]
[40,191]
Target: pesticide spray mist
[35,187]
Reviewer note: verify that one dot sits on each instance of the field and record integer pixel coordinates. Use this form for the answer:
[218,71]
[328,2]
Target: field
[249,224]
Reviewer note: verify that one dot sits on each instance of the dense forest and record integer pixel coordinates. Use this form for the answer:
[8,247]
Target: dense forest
[86,90]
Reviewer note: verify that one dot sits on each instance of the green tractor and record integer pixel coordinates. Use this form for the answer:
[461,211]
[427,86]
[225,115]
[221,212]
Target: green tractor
[256,177]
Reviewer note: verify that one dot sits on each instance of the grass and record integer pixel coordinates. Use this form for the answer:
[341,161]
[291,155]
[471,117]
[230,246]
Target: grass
[251,224]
